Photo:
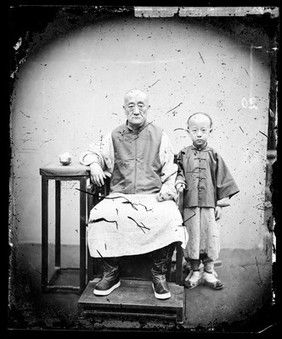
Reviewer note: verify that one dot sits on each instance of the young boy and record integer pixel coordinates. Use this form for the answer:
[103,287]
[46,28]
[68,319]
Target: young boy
[208,186]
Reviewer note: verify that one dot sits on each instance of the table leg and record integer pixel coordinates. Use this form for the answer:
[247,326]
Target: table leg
[82,233]
[44,234]
[58,225]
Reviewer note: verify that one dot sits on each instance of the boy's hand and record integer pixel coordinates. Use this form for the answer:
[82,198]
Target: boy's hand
[180,187]
[97,174]
[218,212]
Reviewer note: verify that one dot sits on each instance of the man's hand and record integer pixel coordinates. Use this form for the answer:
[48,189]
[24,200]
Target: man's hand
[218,212]
[97,174]
[165,195]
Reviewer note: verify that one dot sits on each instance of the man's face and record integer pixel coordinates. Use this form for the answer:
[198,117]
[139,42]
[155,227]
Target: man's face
[136,106]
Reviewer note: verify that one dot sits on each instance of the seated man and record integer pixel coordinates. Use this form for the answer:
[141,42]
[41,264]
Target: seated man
[140,214]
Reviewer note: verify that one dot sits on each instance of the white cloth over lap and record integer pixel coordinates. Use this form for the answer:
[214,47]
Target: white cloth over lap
[131,224]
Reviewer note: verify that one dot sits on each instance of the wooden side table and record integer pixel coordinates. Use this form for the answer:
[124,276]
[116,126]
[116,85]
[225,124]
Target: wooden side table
[60,173]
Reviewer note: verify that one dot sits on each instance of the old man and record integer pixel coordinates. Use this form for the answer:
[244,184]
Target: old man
[140,214]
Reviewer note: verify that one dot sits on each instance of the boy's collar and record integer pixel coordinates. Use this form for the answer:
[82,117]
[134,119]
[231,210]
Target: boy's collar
[199,148]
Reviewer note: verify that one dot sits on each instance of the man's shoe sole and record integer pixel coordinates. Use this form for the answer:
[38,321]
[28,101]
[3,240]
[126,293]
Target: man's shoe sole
[106,292]
[161,296]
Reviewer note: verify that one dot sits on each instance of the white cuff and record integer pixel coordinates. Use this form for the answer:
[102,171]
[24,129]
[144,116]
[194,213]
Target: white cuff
[224,202]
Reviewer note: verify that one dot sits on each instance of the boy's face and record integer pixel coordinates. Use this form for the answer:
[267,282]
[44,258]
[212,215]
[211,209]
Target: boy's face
[136,106]
[199,129]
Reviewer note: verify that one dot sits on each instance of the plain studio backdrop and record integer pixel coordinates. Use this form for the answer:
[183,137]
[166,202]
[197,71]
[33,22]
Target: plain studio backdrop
[69,93]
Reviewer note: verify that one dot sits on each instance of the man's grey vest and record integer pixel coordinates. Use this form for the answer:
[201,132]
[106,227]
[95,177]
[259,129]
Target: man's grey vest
[137,166]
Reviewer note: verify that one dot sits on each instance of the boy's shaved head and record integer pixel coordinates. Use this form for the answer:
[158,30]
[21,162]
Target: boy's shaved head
[199,114]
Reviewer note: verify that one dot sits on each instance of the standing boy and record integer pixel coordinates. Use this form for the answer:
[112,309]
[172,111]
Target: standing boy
[208,185]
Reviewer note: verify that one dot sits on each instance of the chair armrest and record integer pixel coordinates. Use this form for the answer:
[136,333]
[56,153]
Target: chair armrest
[180,202]
[97,193]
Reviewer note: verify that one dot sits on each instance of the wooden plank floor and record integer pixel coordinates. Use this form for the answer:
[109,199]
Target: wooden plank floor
[134,297]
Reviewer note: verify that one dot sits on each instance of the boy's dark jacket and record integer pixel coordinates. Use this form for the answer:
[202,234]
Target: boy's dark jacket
[206,176]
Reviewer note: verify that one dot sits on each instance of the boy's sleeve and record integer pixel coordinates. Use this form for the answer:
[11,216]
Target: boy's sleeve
[226,185]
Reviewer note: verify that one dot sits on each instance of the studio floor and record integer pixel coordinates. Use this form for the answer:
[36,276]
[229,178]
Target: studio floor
[244,304]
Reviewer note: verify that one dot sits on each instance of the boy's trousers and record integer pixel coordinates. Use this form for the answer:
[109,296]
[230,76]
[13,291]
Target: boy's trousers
[203,233]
